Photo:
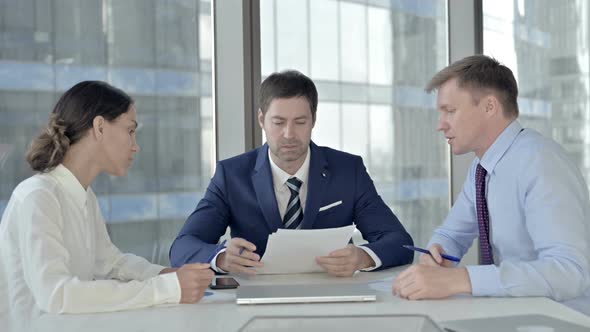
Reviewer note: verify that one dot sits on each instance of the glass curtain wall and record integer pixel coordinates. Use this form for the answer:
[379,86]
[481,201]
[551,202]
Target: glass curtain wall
[545,43]
[157,51]
[370,61]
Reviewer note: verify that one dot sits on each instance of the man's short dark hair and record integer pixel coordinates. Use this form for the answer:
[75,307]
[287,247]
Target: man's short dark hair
[288,84]
[481,74]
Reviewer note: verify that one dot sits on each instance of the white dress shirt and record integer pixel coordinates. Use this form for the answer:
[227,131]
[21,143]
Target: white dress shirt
[56,255]
[283,194]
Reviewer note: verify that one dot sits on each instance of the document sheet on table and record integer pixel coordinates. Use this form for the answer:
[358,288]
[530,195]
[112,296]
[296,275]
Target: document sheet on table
[294,251]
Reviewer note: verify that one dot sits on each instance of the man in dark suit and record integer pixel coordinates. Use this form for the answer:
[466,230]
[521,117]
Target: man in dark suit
[292,183]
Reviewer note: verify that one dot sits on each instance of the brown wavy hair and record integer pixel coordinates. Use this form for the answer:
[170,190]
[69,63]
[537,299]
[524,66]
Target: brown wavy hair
[71,119]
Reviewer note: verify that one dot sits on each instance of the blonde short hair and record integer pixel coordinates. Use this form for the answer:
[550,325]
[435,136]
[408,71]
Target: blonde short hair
[481,74]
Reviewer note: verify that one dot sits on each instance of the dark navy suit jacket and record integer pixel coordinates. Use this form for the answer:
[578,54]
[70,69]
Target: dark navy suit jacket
[241,195]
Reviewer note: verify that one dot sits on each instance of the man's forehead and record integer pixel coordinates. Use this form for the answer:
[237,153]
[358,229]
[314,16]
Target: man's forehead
[289,100]
[289,114]
[452,83]
[289,108]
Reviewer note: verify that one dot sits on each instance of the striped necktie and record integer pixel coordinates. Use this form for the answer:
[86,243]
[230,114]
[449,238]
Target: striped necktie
[294,214]
[483,218]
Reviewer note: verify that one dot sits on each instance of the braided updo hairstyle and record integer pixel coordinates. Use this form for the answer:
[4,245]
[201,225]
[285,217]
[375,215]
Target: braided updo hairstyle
[71,118]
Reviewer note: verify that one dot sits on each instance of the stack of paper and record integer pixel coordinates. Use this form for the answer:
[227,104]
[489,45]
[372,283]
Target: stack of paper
[294,251]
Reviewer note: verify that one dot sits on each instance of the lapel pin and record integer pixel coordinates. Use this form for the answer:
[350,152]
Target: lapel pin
[324,174]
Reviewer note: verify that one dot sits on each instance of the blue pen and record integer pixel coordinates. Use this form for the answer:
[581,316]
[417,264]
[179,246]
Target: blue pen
[217,250]
[445,256]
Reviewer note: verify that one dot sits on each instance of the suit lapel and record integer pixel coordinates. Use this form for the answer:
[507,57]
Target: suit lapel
[265,193]
[316,185]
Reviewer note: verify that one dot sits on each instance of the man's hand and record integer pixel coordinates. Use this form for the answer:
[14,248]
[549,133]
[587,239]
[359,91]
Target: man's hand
[239,257]
[435,259]
[346,261]
[194,280]
[420,282]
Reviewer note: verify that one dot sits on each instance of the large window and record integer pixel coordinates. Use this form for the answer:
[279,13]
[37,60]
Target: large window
[545,43]
[370,61]
[157,51]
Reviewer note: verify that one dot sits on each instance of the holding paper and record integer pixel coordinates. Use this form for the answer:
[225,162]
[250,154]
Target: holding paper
[291,183]
[294,251]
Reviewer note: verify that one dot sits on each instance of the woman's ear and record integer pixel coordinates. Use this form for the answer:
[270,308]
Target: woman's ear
[98,127]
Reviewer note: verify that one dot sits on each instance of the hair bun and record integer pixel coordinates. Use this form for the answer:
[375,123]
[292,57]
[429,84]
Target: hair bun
[49,148]
[56,127]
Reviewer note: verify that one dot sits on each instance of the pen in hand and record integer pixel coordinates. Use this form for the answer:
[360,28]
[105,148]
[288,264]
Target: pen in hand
[426,251]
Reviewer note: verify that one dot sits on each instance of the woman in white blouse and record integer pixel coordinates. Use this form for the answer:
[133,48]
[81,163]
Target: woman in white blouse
[55,253]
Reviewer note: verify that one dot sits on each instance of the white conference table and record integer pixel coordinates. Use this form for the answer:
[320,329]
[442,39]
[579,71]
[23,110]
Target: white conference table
[221,313]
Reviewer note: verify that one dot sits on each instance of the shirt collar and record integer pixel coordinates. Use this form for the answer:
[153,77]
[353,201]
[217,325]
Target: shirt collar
[71,185]
[279,176]
[500,146]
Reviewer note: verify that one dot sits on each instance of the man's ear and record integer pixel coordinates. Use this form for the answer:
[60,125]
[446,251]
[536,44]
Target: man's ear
[98,127]
[260,119]
[492,105]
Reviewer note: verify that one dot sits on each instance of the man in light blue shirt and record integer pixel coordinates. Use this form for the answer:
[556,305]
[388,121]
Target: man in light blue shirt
[523,197]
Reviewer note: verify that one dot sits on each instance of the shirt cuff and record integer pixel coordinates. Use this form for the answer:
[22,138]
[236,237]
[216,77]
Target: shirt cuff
[166,288]
[485,280]
[213,263]
[375,258]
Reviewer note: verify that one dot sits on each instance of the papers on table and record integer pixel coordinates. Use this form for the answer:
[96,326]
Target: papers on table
[294,251]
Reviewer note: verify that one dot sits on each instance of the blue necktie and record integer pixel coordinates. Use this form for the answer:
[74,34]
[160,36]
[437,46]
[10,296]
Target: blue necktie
[294,214]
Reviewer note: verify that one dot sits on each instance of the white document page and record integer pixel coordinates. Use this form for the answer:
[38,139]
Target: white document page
[294,251]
